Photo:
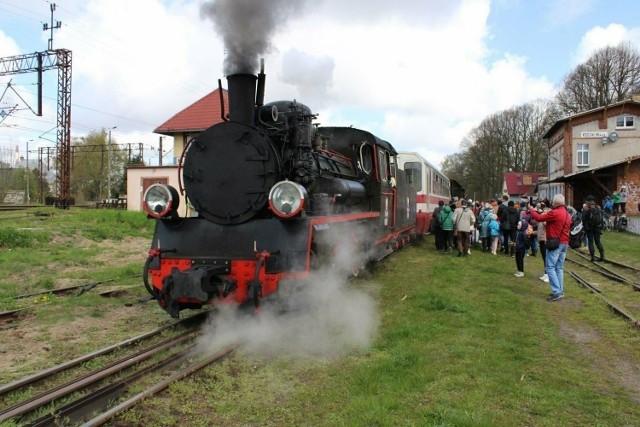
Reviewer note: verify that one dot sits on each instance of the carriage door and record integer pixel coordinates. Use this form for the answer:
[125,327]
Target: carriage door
[388,190]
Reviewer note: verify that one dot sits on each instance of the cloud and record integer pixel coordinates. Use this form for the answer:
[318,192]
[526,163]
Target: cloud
[412,12]
[564,12]
[420,87]
[311,75]
[599,37]
[149,69]
[8,46]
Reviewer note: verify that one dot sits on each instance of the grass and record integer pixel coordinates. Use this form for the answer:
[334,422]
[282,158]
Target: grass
[461,342]
[47,248]
[40,250]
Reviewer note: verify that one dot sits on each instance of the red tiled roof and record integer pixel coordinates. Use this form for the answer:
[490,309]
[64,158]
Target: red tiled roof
[198,116]
[519,183]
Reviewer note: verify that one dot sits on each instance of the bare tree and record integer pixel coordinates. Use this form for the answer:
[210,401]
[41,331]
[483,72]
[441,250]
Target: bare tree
[509,140]
[610,75]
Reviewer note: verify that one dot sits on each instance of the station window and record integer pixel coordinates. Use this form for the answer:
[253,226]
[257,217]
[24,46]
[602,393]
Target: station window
[625,122]
[583,154]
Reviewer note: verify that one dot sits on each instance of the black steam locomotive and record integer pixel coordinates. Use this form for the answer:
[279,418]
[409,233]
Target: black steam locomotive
[274,199]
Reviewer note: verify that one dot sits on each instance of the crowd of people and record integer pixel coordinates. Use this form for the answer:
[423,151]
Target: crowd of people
[520,229]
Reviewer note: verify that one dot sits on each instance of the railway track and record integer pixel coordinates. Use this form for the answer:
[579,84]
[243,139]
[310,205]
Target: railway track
[53,393]
[613,282]
[69,289]
[21,311]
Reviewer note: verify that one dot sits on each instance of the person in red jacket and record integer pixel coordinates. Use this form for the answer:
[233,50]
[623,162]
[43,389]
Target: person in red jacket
[558,225]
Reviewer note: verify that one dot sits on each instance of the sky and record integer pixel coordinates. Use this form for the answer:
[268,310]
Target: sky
[420,74]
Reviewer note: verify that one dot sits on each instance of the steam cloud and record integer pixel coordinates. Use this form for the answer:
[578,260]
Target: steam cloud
[323,316]
[247,26]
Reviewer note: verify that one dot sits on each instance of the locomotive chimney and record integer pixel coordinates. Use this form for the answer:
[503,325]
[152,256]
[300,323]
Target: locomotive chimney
[242,96]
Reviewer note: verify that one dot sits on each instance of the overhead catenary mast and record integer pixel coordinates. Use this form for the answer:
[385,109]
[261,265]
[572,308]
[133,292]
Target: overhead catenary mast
[39,62]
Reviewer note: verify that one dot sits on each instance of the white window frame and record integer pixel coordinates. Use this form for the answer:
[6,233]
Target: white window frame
[582,152]
[624,125]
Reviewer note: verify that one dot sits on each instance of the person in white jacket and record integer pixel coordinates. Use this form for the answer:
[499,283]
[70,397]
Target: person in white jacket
[463,220]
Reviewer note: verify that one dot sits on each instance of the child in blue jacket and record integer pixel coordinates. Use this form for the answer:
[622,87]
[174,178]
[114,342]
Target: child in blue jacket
[494,230]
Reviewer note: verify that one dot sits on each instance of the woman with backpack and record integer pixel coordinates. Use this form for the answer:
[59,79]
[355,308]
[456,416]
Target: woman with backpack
[446,222]
[484,218]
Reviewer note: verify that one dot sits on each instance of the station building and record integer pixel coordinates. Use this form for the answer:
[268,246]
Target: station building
[595,152]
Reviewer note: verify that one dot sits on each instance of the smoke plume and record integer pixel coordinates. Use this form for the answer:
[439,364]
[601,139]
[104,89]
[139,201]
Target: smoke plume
[247,26]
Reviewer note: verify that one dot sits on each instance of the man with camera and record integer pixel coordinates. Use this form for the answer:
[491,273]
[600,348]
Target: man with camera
[558,225]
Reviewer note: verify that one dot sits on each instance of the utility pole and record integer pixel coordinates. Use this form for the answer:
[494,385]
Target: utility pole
[28,173]
[51,27]
[109,162]
[160,153]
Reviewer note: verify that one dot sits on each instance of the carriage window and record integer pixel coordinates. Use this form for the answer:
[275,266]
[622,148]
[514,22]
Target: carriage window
[366,158]
[414,174]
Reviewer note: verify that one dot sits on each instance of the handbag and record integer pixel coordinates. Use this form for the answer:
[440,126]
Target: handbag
[554,242]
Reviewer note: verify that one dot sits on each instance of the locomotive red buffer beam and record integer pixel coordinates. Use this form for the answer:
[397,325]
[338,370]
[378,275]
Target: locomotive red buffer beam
[179,284]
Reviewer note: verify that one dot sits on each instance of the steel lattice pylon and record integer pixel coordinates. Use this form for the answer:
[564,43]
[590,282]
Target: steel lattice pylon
[39,62]
[63,142]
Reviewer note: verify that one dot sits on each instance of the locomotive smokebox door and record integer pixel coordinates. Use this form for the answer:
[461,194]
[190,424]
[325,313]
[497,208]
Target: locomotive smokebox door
[228,172]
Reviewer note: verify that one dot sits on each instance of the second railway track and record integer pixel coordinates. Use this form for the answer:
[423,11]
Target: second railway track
[613,282]
[25,399]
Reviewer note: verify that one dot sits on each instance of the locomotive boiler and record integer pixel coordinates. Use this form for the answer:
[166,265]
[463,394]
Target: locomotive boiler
[273,198]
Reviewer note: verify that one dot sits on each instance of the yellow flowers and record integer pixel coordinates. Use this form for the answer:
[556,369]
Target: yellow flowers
[43,299]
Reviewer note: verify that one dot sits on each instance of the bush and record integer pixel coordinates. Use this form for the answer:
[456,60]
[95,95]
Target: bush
[11,238]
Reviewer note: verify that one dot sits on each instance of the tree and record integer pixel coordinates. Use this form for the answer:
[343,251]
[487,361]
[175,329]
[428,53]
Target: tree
[611,74]
[135,160]
[93,159]
[508,140]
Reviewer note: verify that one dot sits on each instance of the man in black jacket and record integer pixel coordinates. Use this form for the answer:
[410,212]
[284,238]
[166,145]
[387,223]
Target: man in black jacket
[505,228]
[437,229]
[593,227]
[513,216]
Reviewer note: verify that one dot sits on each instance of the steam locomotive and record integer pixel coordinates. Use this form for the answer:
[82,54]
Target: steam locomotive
[273,199]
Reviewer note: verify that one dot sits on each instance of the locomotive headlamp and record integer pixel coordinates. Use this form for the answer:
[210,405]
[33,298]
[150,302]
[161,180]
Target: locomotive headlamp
[161,200]
[286,199]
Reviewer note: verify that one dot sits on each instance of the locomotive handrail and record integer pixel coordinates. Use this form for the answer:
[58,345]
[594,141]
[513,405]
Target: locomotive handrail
[222,114]
[180,163]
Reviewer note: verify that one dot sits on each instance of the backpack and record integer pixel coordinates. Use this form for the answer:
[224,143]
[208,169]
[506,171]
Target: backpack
[576,235]
[595,218]
[434,225]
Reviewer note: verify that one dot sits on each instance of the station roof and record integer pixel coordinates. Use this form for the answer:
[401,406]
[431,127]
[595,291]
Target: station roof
[198,116]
